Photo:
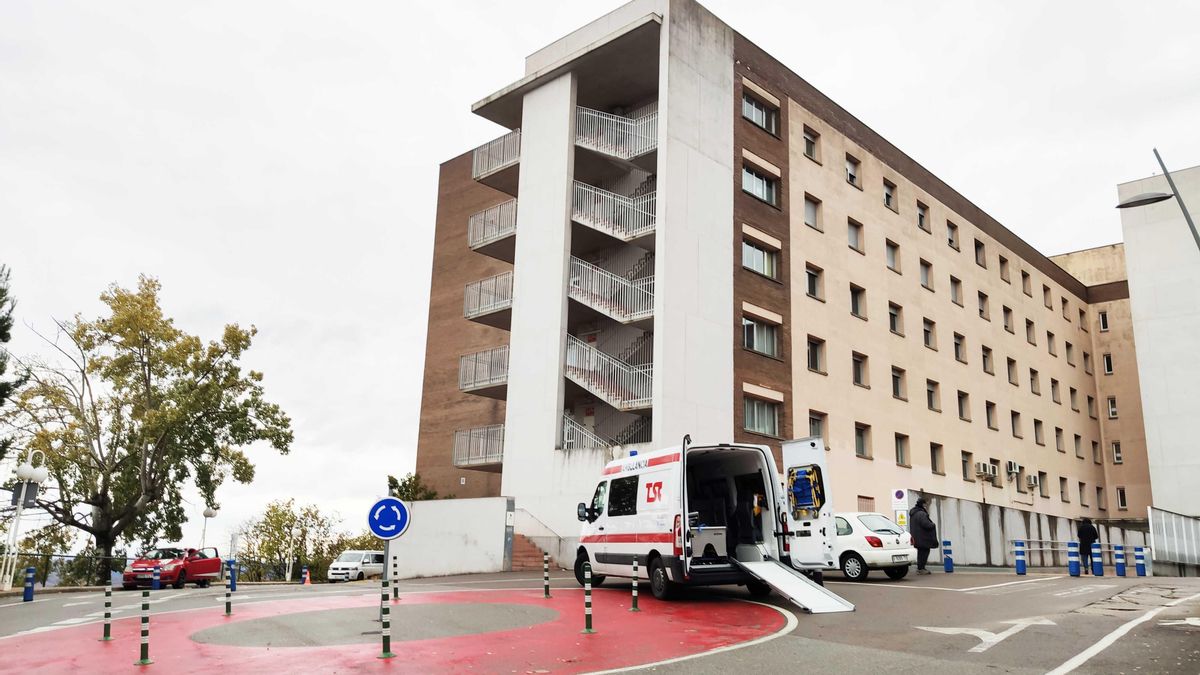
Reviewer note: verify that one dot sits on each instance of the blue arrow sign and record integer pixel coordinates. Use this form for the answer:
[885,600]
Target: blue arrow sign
[388,518]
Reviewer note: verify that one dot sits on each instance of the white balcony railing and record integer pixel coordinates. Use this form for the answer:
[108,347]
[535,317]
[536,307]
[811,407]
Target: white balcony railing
[492,224]
[616,215]
[481,445]
[615,135]
[483,369]
[578,437]
[488,295]
[495,155]
[625,300]
[621,385]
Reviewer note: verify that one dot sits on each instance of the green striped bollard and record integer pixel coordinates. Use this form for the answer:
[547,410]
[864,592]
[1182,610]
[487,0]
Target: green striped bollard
[145,660]
[587,598]
[545,575]
[107,614]
[634,607]
[386,623]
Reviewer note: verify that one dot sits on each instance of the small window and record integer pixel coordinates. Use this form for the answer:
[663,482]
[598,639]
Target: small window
[758,258]
[1043,487]
[1058,440]
[960,348]
[989,415]
[1004,270]
[1082,493]
[1112,407]
[986,358]
[843,527]
[892,250]
[933,397]
[1030,332]
[859,370]
[854,236]
[598,498]
[1065,307]
[922,216]
[980,254]
[1107,362]
[985,311]
[812,144]
[862,439]
[899,384]
[1102,317]
[760,113]
[761,416]
[964,406]
[760,336]
[927,274]
[1117,457]
[1062,490]
[1012,371]
[852,172]
[814,278]
[889,194]
[935,459]
[1007,313]
[1096,458]
[858,301]
[956,291]
[1047,300]
[952,235]
[816,354]
[1122,505]
[968,466]
[1074,395]
[1015,422]
[866,504]
[622,499]
[1055,394]
[1035,382]
[996,479]
[902,450]
[1078,446]
[1070,353]
[1039,432]
[816,423]
[1100,499]
[812,213]
[1087,363]
[1083,322]
[760,185]
[929,333]
[896,318]
[1051,346]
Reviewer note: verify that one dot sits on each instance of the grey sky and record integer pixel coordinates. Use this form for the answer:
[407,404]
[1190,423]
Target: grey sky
[276,163]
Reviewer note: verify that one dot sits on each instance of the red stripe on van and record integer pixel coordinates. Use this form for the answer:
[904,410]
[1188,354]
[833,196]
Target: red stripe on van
[657,461]
[635,538]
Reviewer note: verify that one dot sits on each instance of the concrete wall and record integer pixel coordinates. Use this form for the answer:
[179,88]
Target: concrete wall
[456,536]
[594,31]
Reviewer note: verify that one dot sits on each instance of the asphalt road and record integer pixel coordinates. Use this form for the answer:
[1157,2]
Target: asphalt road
[966,622]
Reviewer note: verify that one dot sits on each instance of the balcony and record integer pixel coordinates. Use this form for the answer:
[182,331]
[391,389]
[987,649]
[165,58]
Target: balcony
[492,231]
[623,218]
[622,385]
[628,301]
[616,136]
[489,301]
[484,373]
[480,448]
[495,163]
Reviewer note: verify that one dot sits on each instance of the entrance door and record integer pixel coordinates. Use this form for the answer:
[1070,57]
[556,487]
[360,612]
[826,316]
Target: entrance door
[807,507]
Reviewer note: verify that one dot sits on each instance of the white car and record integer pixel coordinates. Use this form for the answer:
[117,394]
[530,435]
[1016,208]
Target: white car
[871,541]
[356,565]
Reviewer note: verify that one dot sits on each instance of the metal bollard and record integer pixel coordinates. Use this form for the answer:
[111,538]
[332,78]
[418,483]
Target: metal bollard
[232,574]
[395,577]
[1097,561]
[229,591]
[156,579]
[947,557]
[587,598]
[27,596]
[1139,560]
[1073,558]
[545,575]
[145,660]
[107,614]
[1020,557]
[303,575]
[386,622]
[634,607]
[1119,559]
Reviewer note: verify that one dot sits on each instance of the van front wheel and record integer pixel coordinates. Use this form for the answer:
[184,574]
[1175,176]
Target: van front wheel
[597,579]
[660,584]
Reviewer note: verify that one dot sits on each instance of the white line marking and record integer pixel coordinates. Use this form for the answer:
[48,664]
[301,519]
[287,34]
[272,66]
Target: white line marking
[1108,640]
[1190,621]
[1082,590]
[76,604]
[988,639]
[14,604]
[897,586]
[1010,583]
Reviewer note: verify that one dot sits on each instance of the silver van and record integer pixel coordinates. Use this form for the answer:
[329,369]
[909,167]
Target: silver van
[356,566]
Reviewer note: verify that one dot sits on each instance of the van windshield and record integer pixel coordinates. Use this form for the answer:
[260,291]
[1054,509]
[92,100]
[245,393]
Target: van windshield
[877,523]
[350,556]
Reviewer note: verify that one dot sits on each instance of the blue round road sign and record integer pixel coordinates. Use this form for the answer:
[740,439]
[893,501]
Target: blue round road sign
[388,518]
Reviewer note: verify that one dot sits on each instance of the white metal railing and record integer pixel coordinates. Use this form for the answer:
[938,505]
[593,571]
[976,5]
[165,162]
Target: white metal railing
[621,428]
[492,224]
[498,154]
[615,215]
[1174,537]
[483,369]
[578,437]
[481,445]
[622,385]
[623,299]
[615,135]
[488,295]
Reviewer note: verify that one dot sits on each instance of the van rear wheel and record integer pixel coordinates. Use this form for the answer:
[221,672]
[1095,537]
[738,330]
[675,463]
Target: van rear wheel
[597,579]
[660,584]
[758,589]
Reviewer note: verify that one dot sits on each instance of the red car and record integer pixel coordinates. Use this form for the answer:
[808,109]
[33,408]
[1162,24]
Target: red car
[177,567]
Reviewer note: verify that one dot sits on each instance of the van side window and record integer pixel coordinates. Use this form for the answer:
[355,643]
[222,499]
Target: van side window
[598,498]
[843,528]
[622,499]
[379,558]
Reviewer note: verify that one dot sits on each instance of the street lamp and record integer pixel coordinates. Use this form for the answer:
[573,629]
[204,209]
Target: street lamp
[1156,197]
[30,479]
[209,512]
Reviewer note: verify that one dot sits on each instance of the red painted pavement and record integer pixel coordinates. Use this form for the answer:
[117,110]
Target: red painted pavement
[660,631]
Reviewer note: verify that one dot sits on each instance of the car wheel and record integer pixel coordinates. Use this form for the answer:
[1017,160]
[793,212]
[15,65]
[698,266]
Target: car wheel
[854,567]
[896,573]
[204,583]
[758,589]
[597,579]
[180,579]
[660,584]
[360,576]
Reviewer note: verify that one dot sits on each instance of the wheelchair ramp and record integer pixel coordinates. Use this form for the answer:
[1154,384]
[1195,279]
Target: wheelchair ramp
[811,596]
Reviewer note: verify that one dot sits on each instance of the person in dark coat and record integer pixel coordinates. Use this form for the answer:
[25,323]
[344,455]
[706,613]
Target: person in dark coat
[1087,536]
[924,533]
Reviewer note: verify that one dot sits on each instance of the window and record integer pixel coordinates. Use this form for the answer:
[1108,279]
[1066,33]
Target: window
[1012,372]
[927,274]
[1015,423]
[760,336]
[758,258]
[852,175]
[1096,453]
[1106,361]
[858,301]
[956,291]
[952,235]
[1091,406]
[866,504]
[816,423]
[598,500]
[858,369]
[814,278]
[1100,499]
[1035,382]
[960,348]
[1112,407]
[816,354]
[935,459]
[922,216]
[1083,320]
[843,527]
[893,255]
[1030,332]
[1043,488]
[996,481]
[1121,503]
[854,236]
[899,384]
[1055,394]
[964,406]
[1007,312]
[760,114]
[980,254]
[933,397]
[1058,440]
[895,318]
[1065,313]
[889,194]
[1087,363]
[986,357]
[1062,490]
[1082,493]
[1103,319]
[1117,457]
[812,212]
[1078,446]
[1039,432]
[929,333]
[968,466]
[902,450]
[1026,283]
[1070,353]
[810,144]
[1004,270]
[1051,347]
[759,185]
[989,415]
[622,498]
[862,439]
[984,310]
[1046,299]
[1074,398]
[761,416]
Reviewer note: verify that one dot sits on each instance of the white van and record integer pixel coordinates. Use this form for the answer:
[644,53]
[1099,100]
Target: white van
[717,514]
[356,565]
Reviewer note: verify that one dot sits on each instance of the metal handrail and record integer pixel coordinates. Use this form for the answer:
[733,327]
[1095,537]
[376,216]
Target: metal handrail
[615,215]
[621,384]
[497,154]
[488,295]
[624,299]
[578,437]
[615,135]
[480,445]
[483,369]
[492,224]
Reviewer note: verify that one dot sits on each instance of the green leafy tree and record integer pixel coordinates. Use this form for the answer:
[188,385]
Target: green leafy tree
[137,410]
[412,489]
[7,387]
[42,549]
[285,529]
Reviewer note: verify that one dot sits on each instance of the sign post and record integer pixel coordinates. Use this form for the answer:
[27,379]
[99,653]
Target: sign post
[900,506]
[387,520]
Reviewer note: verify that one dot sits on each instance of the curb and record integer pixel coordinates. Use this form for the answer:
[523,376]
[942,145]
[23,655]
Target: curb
[116,589]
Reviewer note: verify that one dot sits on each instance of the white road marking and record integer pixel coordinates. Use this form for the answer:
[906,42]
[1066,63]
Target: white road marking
[14,604]
[988,639]
[971,589]
[76,604]
[1081,590]
[1108,640]
[1009,583]
[1190,621]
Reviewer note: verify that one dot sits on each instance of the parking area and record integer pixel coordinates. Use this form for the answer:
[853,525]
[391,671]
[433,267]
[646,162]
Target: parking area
[962,622]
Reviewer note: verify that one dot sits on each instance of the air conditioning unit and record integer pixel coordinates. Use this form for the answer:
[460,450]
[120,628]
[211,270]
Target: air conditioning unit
[983,469]
[1032,481]
[992,470]
[1011,467]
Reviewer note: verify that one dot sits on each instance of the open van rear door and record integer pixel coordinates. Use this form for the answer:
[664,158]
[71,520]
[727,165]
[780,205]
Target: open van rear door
[808,510]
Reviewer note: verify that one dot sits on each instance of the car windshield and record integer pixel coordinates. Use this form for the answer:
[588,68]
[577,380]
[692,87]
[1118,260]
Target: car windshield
[877,523]
[350,556]
[163,554]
